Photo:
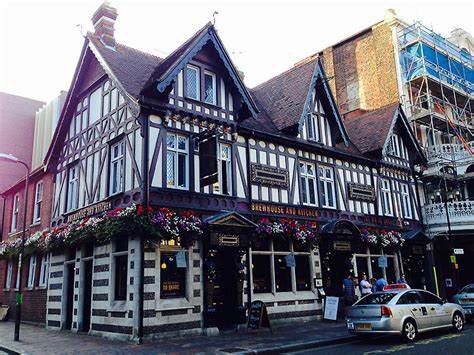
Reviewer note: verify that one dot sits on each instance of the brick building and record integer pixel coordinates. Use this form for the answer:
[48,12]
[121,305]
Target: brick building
[38,217]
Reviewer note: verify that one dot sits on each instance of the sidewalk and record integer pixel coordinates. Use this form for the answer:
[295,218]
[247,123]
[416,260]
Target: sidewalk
[290,337]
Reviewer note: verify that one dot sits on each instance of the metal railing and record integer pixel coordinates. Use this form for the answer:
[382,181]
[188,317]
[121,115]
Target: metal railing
[461,215]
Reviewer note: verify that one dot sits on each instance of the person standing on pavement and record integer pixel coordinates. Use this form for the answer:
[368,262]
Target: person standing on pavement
[365,286]
[402,280]
[348,289]
[381,283]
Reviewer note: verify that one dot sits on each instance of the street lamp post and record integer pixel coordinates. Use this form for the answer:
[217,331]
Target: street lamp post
[19,299]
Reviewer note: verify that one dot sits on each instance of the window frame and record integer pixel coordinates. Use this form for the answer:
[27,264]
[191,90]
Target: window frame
[9,274]
[165,248]
[72,195]
[406,201]
[15,213]
[386,197]
[323,186]
[218,187]
[198,82]
[17,280]
[271,254]
[38,202]
[115,255]
[120,161]
[43,278]
[214,85]
[31,272]
[305,194]
[176,153]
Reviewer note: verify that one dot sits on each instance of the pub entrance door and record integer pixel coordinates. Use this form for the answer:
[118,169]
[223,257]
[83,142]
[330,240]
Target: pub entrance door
[227,292]
[338,243]
[224,270]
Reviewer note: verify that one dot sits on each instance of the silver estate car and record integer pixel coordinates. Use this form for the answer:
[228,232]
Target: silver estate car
[465,298]
[406,312]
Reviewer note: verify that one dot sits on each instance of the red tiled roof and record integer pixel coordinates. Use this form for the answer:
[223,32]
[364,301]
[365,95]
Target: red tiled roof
[130,66]
[369,131]
[283,97]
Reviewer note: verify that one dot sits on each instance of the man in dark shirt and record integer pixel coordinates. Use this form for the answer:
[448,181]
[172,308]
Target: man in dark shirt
[348,289]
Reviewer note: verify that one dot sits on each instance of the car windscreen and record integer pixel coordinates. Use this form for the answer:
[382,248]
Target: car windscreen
[468,289]
[377,298]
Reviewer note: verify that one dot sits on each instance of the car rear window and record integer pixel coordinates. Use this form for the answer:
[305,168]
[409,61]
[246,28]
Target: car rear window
[468,289]
[377,298]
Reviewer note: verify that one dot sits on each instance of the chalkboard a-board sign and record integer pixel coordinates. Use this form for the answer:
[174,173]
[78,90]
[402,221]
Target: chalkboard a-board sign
[258,316]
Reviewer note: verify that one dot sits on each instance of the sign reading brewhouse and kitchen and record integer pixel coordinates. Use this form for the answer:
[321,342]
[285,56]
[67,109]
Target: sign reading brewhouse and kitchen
[89,211]
[278,209]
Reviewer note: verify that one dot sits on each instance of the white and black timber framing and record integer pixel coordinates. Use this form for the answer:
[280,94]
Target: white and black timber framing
[265,181]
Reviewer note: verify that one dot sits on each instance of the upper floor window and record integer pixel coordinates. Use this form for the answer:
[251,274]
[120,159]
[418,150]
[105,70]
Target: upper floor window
[116,168]
[312,127]
[224,168]
[177,161]
[406,203]
[327,187]
[38,201]
[192,80]
[15,212]
[210,88]
[387,197]
[397,147]
[308,183]
[73,188]
[95,105]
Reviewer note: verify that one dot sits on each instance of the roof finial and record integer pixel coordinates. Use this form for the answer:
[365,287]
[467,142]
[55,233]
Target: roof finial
[214,17]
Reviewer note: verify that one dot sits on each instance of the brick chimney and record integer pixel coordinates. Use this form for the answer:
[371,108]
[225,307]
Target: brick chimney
[103,20]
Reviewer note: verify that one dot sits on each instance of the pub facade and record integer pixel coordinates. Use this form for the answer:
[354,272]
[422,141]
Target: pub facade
[275,197]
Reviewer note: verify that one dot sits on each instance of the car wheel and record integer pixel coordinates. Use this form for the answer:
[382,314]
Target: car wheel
[409,331]
[458,322]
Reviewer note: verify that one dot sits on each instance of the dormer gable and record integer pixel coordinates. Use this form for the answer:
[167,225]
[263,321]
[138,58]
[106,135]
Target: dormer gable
[200,76]
[377,133]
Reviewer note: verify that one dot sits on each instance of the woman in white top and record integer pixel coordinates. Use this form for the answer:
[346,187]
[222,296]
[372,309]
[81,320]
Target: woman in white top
[365,286]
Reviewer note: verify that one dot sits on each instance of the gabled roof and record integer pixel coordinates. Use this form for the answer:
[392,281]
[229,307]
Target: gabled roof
[283,97]
[128,67]
[371,131]
[287,98]
[169,68]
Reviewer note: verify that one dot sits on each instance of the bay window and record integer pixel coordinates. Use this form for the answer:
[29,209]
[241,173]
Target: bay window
[116,168]
[308,183]
[327,187]
[38,201]
[177,161]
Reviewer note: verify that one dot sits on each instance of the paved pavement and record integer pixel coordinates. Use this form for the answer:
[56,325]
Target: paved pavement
[290,337]
[443,342]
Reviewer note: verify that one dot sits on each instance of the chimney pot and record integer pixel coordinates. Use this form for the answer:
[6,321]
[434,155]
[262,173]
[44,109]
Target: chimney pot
[103,20]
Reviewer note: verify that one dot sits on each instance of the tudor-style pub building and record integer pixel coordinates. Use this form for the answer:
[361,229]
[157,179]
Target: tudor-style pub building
[185,133]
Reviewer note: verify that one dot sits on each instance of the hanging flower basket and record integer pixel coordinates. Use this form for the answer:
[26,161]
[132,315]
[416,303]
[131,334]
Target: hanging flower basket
[382,238]
[161,224]
[288,229]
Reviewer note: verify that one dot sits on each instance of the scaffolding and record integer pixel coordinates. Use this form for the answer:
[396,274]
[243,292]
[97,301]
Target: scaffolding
[438,80]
